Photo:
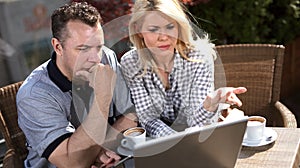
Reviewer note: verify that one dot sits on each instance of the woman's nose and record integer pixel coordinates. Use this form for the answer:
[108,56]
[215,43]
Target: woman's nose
[163,36]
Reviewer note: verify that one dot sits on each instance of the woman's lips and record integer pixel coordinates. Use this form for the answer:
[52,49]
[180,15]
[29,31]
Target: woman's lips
[164,47]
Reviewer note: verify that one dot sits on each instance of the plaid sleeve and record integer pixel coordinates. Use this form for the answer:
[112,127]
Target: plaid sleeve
[149,116]
[202,85]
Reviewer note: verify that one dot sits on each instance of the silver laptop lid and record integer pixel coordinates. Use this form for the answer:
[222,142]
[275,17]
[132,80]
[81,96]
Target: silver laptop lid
[210,146]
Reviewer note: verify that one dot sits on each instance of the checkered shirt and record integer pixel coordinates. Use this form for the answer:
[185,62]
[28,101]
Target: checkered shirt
[190,82]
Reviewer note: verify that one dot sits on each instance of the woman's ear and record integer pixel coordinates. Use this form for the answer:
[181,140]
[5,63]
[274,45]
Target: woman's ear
[137,30]
[56,46]
[140,35]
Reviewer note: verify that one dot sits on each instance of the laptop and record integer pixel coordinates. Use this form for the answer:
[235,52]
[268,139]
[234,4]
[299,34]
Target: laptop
[209,146]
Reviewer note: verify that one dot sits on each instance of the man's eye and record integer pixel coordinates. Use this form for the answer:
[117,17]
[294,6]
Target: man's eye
[82,48]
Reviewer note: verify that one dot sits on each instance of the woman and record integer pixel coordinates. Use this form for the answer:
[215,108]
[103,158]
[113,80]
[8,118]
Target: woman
[170,70]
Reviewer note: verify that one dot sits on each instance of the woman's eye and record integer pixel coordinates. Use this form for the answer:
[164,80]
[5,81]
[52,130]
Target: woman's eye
[171,26]
[153,29]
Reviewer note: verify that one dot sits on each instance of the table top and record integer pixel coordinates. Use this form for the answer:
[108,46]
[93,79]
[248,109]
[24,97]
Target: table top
[283,153]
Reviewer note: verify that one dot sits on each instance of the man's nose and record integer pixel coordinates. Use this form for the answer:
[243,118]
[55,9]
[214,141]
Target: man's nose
[95,57]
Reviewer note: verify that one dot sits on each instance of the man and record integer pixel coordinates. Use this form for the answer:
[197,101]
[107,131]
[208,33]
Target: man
[66,105]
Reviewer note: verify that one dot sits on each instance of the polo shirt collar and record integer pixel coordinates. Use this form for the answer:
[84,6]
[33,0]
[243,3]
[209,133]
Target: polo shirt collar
[57,77]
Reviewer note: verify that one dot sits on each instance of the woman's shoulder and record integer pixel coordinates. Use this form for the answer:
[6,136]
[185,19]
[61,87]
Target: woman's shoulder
[195,54]
[203,49]
[200,58]
[129,57]
[204,54]
[129,62]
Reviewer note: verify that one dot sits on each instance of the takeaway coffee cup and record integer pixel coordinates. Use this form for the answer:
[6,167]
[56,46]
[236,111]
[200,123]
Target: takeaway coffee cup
[133,136]
[255,128]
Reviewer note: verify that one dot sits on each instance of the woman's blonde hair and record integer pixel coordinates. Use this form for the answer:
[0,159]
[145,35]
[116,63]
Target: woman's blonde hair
[171,8]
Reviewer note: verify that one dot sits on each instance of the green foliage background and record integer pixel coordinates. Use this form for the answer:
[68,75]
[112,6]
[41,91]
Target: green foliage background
[248,21]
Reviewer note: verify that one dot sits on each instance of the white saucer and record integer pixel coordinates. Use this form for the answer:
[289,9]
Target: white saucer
[124,151]
[269,137]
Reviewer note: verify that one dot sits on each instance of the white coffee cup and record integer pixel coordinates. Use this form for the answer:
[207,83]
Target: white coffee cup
[255,128]
[233,114]
[133,136]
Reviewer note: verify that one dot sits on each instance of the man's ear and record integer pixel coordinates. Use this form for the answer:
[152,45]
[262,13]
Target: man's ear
[56,46]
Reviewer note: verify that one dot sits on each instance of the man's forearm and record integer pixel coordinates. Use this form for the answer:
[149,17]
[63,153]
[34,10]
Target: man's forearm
[82,148]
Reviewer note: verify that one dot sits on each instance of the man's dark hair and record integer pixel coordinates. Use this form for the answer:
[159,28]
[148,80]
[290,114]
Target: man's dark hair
[74,11]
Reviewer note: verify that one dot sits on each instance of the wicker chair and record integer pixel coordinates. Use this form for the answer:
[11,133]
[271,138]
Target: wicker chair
[13,135]
[258,67]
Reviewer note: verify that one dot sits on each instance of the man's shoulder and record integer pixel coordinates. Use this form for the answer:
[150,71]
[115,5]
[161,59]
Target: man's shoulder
[37,82]
[109,52]
[109,57]
[130,64]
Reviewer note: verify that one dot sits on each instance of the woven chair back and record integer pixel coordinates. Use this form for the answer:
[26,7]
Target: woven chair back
[13,135]
[258,67]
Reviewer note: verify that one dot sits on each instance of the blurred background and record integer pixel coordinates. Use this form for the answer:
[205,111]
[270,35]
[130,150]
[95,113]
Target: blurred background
[25,33]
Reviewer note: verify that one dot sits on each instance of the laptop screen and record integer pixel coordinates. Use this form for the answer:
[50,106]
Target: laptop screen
[210,146]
